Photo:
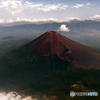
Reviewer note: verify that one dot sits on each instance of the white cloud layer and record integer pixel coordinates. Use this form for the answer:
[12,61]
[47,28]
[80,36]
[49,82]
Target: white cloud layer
[14,96]
[21,10]
[13,10]
[64,28]
[36,20]
[21,5]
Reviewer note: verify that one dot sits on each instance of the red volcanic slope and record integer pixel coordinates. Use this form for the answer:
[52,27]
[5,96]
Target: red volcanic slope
[53,43]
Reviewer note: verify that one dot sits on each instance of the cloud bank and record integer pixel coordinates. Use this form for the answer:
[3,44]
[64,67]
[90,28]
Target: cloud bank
[37,20]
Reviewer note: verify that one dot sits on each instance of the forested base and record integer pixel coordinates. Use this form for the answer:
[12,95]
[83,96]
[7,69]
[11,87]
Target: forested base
[31,74]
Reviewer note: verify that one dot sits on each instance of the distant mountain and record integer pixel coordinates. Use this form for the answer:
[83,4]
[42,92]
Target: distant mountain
[86,32]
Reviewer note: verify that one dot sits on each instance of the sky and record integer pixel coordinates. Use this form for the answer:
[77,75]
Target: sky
[48,10]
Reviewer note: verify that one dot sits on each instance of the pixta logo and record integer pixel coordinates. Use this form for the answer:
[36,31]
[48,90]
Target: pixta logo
[73,94]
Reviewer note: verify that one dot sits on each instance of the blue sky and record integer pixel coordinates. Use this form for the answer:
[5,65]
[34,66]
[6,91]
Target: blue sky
[48,10]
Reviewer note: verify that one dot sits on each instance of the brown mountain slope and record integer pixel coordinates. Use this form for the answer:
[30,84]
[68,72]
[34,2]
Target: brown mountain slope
[53,43]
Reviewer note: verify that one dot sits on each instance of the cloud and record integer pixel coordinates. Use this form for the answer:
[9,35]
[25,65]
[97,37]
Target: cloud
[36,20]
[47,8]
[64,28]
[20,5]
[81,5]
[95,17]
[89,4]
[10,4]
[14,96]
[12,9]
[78,6]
